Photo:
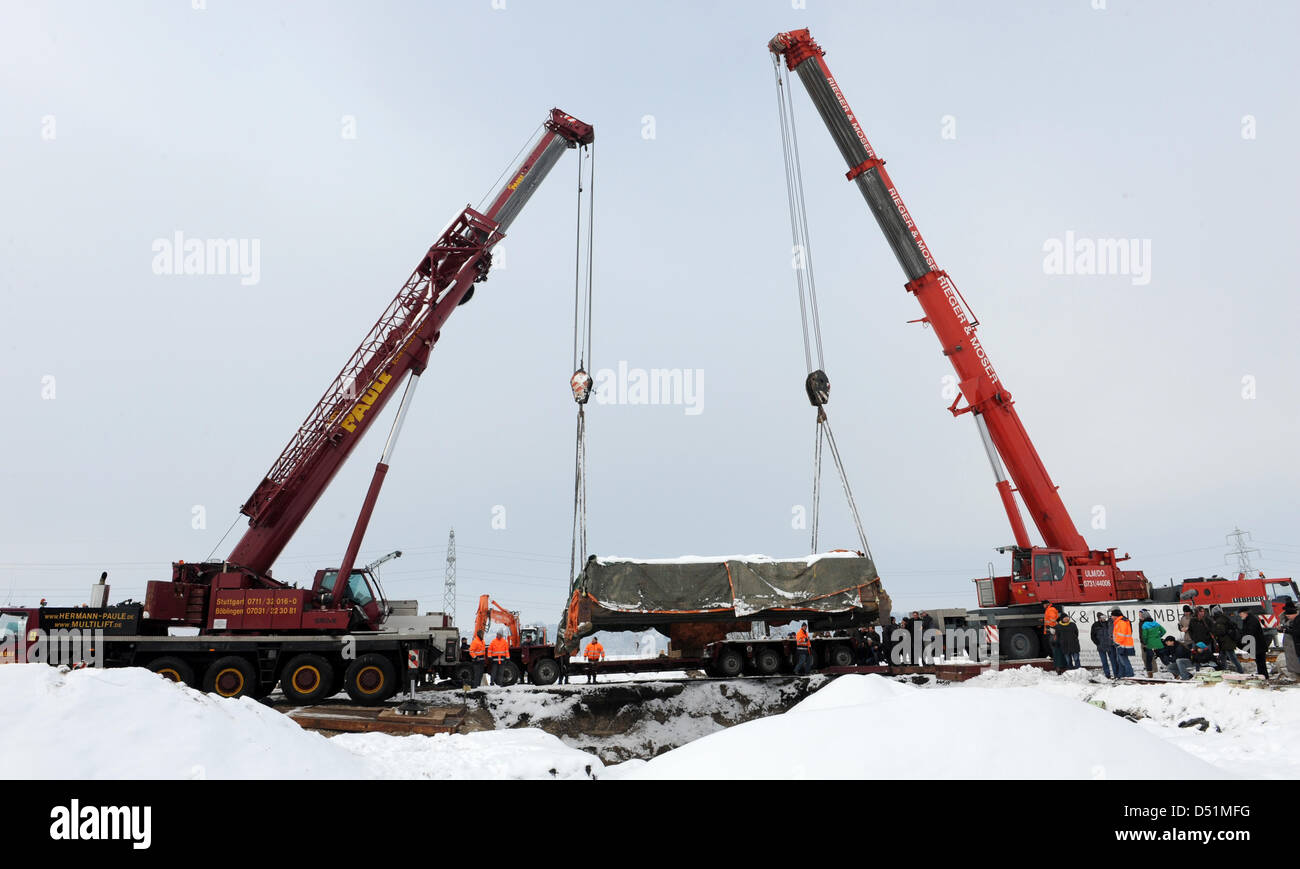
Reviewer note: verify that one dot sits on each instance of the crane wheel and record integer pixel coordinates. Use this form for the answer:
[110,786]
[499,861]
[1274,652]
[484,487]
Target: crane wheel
[370,680]
[545,671]
[231,676]
[840,656]
[729,663]
[307,679]
[173,669]
[1017,644]
[462,674]
[767,661]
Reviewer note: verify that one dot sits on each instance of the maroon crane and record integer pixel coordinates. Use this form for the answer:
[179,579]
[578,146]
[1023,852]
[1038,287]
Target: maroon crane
[239,593]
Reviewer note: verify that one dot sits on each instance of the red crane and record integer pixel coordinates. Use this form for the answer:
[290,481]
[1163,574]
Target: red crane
[397,345]
[1066,568]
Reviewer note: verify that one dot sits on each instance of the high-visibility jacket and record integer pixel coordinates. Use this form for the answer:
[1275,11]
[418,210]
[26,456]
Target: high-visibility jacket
[476,649]
[499,650]
[1123,632]
[1050,616]
[802,640]
[595,651]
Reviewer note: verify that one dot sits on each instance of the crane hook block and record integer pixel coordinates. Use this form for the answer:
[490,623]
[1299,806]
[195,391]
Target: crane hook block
[818,387]
[581,383]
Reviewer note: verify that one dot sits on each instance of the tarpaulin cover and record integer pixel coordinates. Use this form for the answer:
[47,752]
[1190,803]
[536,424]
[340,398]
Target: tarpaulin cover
[746,586]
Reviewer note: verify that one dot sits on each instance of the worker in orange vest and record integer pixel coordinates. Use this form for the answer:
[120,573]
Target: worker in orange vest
[477,652]
[1122,631]
[1051,615]
[498,652]
[802,651]
[594,653]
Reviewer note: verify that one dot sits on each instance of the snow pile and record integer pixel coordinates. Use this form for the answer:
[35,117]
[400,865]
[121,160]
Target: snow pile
[501,754]
[1248,730]
[130,723]
[871,727]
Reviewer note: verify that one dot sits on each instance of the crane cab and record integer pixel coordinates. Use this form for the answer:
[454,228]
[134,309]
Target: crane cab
[359,596]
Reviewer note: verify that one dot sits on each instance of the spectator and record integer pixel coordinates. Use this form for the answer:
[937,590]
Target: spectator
[1252,627]
[1067,640]
[912,637]
[1183,621]
[1198,629]
[1177,657]
[1227,633]
[1122,631]
[1291,641]
[1152,633]
[1105,643]
[889,640]
[1203,656]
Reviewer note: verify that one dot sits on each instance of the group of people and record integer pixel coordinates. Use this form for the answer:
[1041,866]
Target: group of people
[1208,637]
[478,654]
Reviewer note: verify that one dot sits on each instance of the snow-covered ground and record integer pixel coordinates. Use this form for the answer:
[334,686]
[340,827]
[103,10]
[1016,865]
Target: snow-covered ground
[129,723]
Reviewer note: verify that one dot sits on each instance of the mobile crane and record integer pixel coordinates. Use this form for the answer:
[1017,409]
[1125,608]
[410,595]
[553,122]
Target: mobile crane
[254,630]
[1065,569]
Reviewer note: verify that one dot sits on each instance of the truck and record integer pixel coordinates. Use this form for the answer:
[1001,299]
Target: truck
[231,628]
[1064,569]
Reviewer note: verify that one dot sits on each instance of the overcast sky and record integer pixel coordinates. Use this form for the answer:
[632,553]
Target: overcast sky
[341,138]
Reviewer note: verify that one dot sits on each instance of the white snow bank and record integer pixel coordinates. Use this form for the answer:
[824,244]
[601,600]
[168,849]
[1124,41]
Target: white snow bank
[1250,731]
[526,753]
[864,727]
[130,723]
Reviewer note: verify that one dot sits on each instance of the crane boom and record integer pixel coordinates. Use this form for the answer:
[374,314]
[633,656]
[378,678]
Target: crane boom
[397,345]
[987,398]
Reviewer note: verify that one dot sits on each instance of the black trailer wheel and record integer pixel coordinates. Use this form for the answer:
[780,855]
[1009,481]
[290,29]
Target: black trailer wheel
[545,671]
[840,656]
[729,663]
[231,676]
[509,674]
[370,680]
[307,679]
[1017,644]
[767,661]
[463,674]
[174,669]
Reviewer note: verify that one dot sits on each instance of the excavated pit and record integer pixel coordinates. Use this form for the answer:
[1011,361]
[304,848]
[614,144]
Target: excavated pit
[640,720]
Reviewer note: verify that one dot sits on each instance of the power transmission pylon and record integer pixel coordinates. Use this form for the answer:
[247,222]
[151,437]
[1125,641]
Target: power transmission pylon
[449,588]
[1237,540]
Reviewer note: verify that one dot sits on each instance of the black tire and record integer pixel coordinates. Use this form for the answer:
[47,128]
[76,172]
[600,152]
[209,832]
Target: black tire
[463,674]
[545,671]
[307,679]
[370,680]
[840,656]
[174,669]
[767,661]
[231,676]
[1017,644]
[509,674]
[729,663]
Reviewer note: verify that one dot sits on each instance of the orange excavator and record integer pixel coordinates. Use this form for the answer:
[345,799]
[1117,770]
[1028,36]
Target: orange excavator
[529,651]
